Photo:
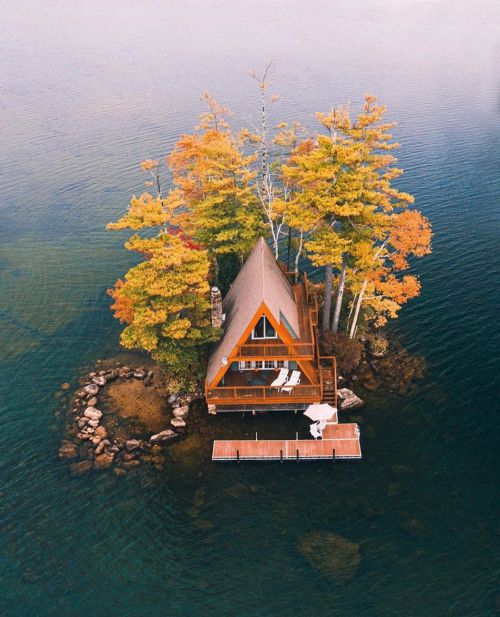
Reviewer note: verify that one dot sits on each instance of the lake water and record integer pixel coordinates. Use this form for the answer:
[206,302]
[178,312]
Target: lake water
[88,90]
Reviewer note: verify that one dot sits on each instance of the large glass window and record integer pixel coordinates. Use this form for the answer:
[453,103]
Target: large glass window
[264,329]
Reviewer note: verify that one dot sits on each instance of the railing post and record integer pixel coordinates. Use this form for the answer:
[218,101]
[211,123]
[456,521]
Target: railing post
[333,454]
[238,455]
[297,455]
[281,456]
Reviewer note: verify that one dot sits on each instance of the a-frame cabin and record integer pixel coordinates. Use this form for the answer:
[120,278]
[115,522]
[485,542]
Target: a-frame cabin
[269,327]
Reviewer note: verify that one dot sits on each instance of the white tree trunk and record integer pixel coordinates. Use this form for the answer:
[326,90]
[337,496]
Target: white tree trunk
[327,305]
[338,302]
[358,307]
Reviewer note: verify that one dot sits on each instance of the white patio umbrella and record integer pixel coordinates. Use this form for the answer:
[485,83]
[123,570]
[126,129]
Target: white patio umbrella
[321,411]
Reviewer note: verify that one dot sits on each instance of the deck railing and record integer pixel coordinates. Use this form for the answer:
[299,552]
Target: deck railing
[275,350]
[263,394]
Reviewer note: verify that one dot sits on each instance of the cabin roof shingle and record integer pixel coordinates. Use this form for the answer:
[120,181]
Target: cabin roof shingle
[261,280]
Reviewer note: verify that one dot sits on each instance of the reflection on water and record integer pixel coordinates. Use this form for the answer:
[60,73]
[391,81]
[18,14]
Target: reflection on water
[89,90]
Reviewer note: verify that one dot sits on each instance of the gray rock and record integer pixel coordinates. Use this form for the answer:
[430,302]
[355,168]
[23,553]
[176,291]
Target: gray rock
[149,378]
[91,388]
[82,422]
[177,423]
[99,381]
[163,436]
[181,412]
[101,431]
[348,400]
[92,413]
[172,398]
[132,444]
[140,373]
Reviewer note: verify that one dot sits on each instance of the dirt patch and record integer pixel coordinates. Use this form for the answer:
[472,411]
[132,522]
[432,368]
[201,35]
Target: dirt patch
[133,400]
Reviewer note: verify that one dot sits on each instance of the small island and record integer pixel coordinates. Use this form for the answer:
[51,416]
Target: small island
[270,260]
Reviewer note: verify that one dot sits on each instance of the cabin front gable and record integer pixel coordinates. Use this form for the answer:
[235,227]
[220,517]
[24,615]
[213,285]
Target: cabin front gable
[273,333]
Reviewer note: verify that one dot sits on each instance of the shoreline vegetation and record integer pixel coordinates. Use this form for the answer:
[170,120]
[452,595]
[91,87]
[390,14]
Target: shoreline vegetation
[325,199]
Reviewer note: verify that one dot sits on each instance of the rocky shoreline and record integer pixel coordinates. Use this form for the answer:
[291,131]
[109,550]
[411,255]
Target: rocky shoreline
[97,438]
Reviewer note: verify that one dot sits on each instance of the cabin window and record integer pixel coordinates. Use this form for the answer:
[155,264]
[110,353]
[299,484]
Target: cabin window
[259,364]
[264,329]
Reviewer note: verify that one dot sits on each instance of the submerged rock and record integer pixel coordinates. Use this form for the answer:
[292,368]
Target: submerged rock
[349,400]
[81,468]
[334,556]
[104,460]
[68,450]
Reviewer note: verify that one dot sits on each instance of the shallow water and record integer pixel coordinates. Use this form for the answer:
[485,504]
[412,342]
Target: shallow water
[87,90]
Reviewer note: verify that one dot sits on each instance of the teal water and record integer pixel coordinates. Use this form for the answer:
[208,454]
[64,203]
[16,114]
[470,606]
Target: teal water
[87,90]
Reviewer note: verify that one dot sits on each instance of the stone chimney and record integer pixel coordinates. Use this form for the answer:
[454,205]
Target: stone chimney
[216,299]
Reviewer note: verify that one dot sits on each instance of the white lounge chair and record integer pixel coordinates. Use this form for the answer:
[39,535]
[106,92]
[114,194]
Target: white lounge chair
[314,428]
[293,381]
[280,380]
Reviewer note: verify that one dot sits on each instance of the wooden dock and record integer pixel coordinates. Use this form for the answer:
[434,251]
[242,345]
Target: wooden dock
[340,441]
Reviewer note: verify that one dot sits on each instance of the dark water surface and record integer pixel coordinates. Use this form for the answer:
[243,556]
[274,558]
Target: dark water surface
[89,89]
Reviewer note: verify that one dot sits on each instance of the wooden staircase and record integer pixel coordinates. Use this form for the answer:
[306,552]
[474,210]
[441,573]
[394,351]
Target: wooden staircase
[329,385]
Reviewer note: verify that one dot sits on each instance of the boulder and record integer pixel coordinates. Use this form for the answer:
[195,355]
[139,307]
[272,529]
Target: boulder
[180,412]
[100,448]
[139,373]
[177,423]
[165,435]
[95,440]
[92,402]
[149,378]
[80,394]
[212,410]
[128,456]
[104,460]
[91,388]
[93,423]
[82,422]
[92,413]
[78,469]
[119,471]
[68,450]
[124,370]
[348,400]
[171,399]
[101,431]
[132,444]
[99,381]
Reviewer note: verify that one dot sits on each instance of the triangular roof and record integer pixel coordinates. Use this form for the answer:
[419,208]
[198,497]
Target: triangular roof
[260,281]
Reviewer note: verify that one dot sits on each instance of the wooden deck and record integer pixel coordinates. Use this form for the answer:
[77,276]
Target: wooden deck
[340,441]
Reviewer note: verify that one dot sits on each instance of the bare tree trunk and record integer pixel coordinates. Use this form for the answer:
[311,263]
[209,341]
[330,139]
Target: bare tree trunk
[358,307]
[216,269]
[340,295]
[297,255]
[351,310]
[289,250]
[327,305]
